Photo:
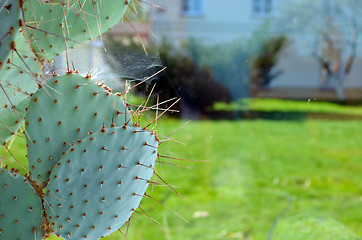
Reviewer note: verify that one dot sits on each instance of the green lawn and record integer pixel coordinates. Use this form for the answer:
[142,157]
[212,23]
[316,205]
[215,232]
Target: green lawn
[312,106]
[257,172]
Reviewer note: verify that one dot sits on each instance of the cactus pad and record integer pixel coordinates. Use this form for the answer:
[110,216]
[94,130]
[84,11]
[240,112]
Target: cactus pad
[100,181]
[67,23]
[19,77]
[64,112]
[10,121]
[9,19]
[20,208]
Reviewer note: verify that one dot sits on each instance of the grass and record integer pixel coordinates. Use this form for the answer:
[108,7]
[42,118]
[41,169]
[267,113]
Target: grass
[256,171]
[263,104]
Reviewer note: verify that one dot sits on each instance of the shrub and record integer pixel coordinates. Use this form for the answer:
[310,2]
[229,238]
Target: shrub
[183,78]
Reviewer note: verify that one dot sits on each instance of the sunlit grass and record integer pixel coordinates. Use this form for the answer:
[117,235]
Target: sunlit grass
[255,169]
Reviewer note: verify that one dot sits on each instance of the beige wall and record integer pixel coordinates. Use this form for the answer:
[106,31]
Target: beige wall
[224,21]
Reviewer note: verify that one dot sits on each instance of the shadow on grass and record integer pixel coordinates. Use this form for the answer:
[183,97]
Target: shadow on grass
[279,115]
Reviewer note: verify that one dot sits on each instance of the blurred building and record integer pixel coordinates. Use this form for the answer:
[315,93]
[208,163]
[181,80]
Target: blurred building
[214,21]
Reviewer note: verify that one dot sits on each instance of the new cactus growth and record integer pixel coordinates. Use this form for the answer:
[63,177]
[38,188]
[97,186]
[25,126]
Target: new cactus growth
[89,163]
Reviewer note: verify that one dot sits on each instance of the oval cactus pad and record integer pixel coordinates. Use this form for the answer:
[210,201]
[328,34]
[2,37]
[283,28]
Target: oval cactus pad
[9,18]
[18,79]
[100,181]
[67,23]
[20,208]
[62,113]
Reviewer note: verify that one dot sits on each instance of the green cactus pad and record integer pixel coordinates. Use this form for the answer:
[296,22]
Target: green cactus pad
[9,19]
[64,112]
[63,23]
[10,120]
[20,208]
[98,182]
[19,77]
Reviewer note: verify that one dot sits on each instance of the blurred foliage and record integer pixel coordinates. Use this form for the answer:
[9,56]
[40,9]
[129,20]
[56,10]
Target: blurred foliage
[228,63]
[199,74]
[182,78]
[266,59]
[244,64]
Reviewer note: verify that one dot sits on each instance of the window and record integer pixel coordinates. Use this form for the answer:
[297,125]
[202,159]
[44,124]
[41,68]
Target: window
[263,8]
[192,7]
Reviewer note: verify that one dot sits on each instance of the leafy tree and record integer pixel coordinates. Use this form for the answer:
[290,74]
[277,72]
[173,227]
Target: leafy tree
[331,27]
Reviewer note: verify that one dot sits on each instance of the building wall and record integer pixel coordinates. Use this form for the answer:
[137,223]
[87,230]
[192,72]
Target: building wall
[219,23]
[224,21]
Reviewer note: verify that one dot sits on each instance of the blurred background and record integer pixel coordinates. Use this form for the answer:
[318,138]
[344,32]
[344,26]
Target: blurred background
[273,89]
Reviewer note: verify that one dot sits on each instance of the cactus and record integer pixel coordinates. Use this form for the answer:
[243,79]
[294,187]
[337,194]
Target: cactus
[89,164]
[9,121]
[116,164]
[9,18]
[61,24]
[20,208]
[70,106]
[19,77]
[50,27]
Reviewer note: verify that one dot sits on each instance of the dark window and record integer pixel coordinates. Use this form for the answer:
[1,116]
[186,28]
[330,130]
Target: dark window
[263,7]
[192,7]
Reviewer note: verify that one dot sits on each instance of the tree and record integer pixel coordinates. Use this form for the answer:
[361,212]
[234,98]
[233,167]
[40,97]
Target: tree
[331,28]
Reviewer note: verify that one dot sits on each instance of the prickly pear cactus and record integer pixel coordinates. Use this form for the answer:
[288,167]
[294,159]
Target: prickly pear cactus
[89,164]
[9,18]
[20,208]
[50,27]
[63,24]
[62,113]
[100,181]
[15,80]
[10,120]
[19,77]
